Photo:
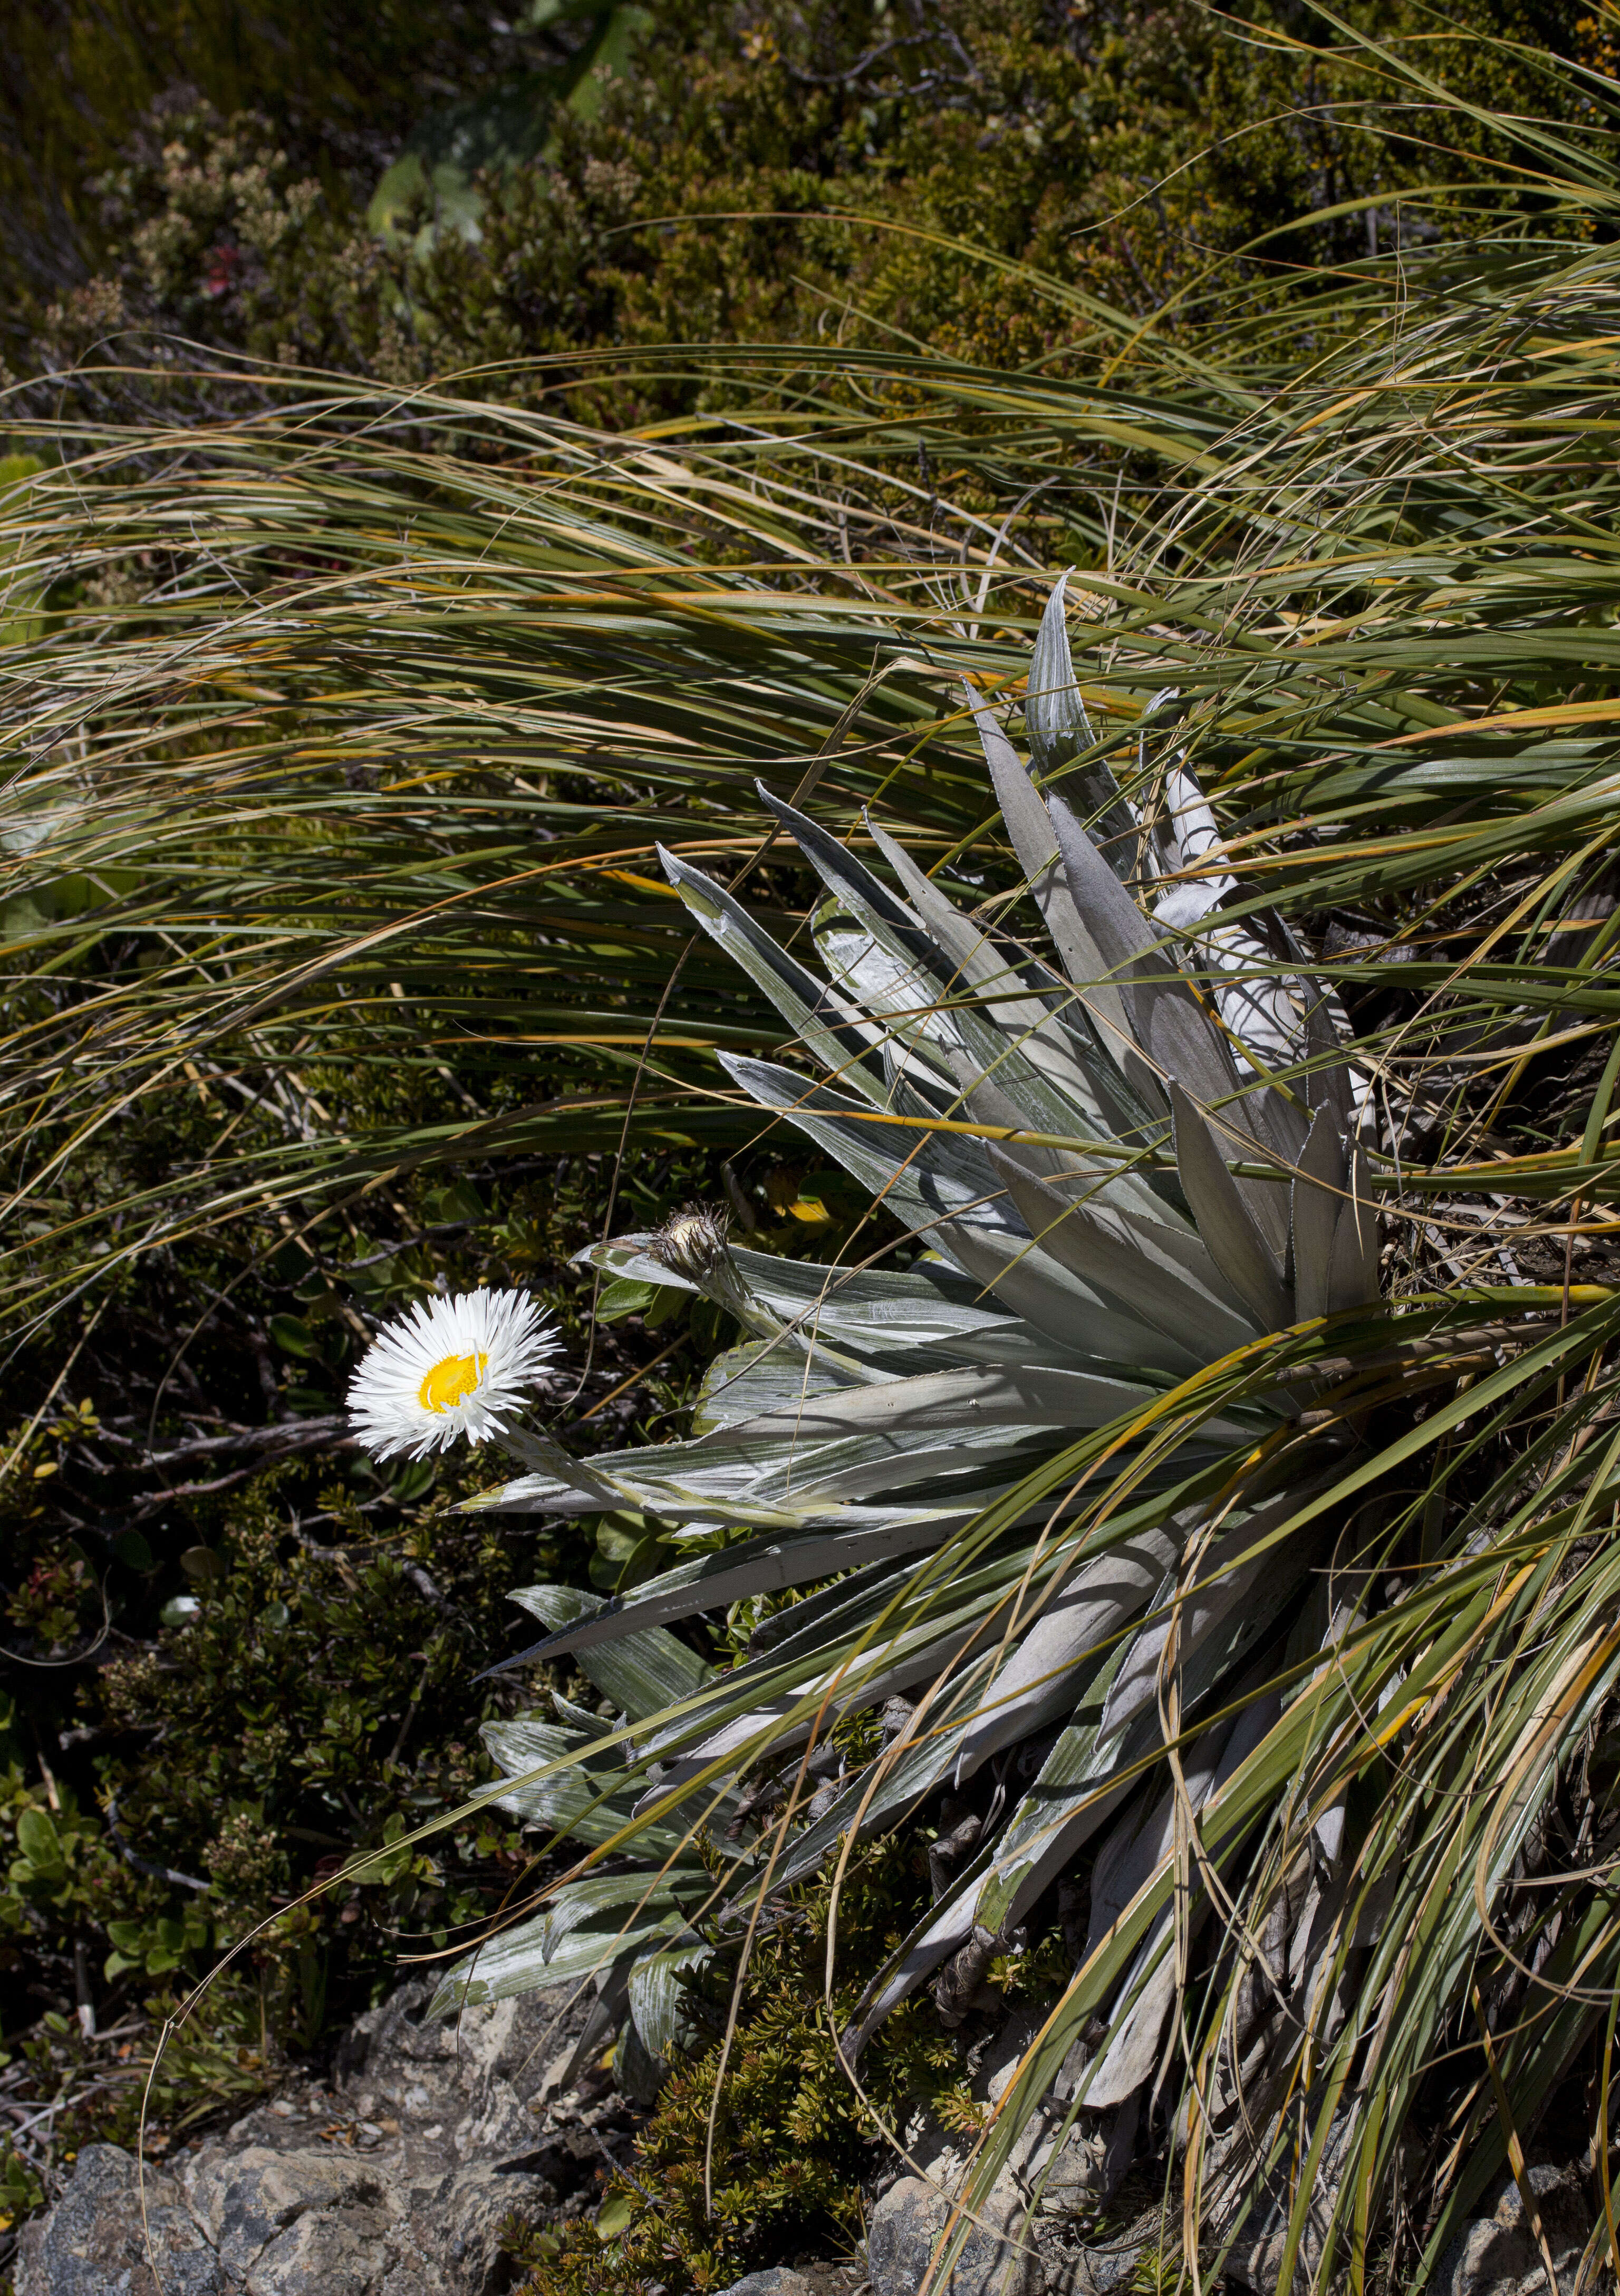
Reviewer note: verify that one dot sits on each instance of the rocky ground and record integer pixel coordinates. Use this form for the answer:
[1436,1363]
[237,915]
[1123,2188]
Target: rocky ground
[392,2180]
[395,2178]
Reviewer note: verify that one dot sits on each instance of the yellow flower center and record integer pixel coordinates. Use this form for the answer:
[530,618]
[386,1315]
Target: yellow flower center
[450,1381]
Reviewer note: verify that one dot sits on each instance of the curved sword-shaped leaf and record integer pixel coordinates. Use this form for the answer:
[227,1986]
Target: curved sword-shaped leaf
[1239,1248]
[1353,1263]
[1085,1076]
[658,1993]
[1240,1585]
[1075,1315]
[921,1176]
[1151,1267]
[1035,840]
[580,1798]
[1046,1677]
[918,958]
[1320,1188]
[642,1672]
[1135,2043]
[833,1031]
[514,1963]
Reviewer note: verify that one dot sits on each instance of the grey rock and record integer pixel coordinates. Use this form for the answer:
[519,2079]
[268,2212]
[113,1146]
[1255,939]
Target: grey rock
[905,2228]
[1081,2259]
[475,2207]
[243,2199]
[93,2243]
[776,2280]
[393,2182]
[346,2254]
[1497,2254]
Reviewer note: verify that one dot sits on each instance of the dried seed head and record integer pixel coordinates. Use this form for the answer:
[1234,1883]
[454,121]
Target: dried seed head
[693,1242]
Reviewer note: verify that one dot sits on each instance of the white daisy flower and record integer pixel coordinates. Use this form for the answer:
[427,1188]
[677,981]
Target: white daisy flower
[451,1367]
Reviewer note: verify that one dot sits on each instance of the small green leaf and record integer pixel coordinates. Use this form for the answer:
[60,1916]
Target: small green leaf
[667,1303]
[615,2216]
[294,1337]
[459,1200]
[37,1838]
[623,1298]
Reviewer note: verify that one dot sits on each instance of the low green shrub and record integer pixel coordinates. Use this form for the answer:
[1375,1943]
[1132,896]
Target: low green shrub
[306,1700]
[783,173]
[792,2138]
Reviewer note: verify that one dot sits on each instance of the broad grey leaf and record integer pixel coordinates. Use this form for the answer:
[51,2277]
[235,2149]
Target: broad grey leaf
[658,1993]
[1035,840]
[1235,1243]
[1078,1788]
[640,1673]
[773,1471]
[832,1029]
[983,1099]
[1194,836]
[646,1896]
[930,1305]
[1073,1313]
[1246,1575]
[1139,2019]
[1149,1268]
[1174,1032]
[743,1382]
[1319,1194]
[587,1798]
[1019,1011]
[1260,1007]
[968,1429]
[628,1258]
[919,961]
[915,1019]
[1353,1263]
[583,1719]
[514,1963]
[760,1566]
[1054,714]
[1056,1654]
[1327,1079]
[780,1726]
[921,1176]
[952,1402]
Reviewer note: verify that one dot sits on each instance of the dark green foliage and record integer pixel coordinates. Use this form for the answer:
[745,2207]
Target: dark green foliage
[310,1699]
[788,173]
[338,89]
